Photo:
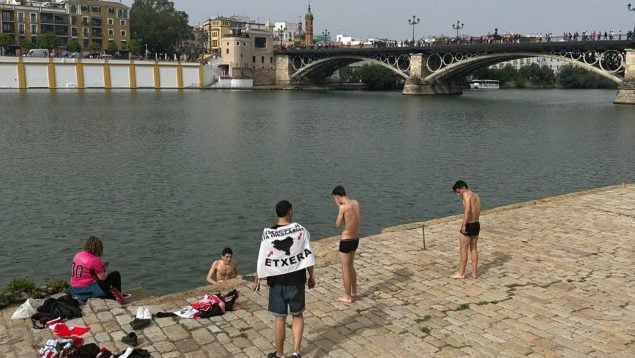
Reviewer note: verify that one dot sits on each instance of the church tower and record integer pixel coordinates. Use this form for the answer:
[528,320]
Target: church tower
[308,32]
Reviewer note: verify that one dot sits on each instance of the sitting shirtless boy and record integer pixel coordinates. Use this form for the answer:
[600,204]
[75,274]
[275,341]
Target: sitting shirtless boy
[223,269]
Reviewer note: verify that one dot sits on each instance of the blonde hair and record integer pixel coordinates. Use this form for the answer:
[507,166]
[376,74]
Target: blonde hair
[94,245]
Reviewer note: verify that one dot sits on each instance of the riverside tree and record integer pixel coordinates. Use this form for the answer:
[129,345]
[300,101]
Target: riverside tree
[134,47]
[374,76]
[159,25]
[48,41]
[5,41]
[577,77]
[73,46]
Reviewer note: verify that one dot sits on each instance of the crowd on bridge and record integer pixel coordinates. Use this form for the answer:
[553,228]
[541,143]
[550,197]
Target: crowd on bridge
[489,38]
[597,36]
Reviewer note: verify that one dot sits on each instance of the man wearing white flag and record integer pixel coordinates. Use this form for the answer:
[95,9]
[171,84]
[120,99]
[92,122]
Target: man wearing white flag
[284,258]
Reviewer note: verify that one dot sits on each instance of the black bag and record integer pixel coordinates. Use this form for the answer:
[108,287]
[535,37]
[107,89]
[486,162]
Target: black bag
[90,350]
[39,319]
[65,307]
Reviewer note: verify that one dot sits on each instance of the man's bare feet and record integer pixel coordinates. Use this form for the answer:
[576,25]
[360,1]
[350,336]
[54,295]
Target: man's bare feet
[457,276]
[474,276]
[345,299]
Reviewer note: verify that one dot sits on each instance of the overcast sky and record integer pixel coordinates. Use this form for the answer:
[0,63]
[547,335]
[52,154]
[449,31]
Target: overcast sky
[389,18]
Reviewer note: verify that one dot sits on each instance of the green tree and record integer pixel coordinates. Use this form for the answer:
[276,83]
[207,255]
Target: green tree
[95,47]
[73,46]
[112,48]
[577,77]
[159,24]
[134,47]
[378,77]
[48,41]
[349,74]
[26,43]
[541,76]
[5,41]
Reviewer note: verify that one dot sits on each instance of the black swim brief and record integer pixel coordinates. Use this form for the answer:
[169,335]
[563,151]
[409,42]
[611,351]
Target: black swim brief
[347,246]
[472,229]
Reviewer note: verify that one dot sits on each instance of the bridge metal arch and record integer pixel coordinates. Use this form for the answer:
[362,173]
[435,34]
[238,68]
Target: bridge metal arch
[319,68]
[468,64]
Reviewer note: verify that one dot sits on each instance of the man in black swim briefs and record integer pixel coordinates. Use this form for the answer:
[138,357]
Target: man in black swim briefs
[470,228]
[347,246]
[348,214]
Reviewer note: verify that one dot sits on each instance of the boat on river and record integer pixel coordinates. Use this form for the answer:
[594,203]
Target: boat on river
[484,84]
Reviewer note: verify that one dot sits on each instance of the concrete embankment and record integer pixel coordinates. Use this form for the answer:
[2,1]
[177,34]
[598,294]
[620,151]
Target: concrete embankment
[58,73]
[554,281]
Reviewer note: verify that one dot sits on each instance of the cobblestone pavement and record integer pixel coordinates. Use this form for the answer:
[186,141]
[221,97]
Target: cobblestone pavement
[554,281]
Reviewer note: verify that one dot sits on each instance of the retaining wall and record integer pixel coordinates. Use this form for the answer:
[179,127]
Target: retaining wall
[29,72]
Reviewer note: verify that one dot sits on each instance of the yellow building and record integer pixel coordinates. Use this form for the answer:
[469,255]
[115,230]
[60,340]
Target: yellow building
[99,22]
[219,27]
[85,21]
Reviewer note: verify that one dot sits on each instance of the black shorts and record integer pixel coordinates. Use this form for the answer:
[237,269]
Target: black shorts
[472,229]
[347,246]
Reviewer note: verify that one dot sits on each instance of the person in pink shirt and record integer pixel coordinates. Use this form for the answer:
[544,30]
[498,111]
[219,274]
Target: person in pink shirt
[89,277]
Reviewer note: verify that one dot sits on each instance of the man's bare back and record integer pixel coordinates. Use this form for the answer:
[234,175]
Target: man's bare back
[472,206]
[349,215]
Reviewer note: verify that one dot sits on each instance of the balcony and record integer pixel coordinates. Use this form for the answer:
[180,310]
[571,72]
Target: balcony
[61,20]
[46,18]
[47,29]
[61,31]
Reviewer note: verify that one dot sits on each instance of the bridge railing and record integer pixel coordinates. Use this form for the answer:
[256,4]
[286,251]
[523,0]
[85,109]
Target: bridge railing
[462,41]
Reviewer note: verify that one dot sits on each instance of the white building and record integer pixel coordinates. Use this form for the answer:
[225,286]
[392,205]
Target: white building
[285,31]
[552,63]
[347,40]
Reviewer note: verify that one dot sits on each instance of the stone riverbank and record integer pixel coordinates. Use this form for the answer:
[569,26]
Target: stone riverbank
[555,280]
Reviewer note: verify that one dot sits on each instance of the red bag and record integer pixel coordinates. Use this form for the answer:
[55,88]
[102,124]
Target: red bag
[116,295]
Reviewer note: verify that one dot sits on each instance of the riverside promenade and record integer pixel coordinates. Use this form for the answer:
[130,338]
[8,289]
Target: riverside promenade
[555,281]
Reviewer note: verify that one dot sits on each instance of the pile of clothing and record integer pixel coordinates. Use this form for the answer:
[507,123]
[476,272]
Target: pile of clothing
[207,306]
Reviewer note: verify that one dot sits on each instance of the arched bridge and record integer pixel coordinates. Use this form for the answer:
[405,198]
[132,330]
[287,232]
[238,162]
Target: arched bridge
[436,69]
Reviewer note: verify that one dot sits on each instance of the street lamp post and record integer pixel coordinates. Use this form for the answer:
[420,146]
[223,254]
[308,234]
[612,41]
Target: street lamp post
[630,8]
[281,32]
[459,25]
[412,22]
[326,35]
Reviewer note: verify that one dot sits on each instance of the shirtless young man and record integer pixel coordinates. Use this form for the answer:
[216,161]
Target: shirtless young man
[470,228]
[223,269]
[348,214]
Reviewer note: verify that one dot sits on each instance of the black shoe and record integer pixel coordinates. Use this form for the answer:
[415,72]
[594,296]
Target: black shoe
[272,355]
[130,339]
[140,323]
[296,355]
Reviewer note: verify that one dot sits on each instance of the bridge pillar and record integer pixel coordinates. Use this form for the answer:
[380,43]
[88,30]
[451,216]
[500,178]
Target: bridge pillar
[417,85]
[283,70]
[626,91]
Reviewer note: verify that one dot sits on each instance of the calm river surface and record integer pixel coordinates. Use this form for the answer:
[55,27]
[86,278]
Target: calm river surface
[167,179]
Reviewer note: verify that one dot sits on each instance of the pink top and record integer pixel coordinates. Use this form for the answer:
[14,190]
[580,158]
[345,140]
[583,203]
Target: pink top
[83,263]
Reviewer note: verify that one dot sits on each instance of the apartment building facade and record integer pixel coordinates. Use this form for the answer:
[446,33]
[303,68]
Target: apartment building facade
[92,23]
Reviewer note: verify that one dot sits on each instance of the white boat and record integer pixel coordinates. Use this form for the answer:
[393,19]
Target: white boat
[484,84]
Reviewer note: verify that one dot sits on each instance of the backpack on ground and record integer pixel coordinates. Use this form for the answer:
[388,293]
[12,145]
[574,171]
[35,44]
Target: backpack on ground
[65,307]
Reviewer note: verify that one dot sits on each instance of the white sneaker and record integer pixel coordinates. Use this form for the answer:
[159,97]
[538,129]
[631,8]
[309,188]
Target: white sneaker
[139,314]
[146,313]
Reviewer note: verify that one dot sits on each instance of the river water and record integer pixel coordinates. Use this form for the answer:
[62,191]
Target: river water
[167,179]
